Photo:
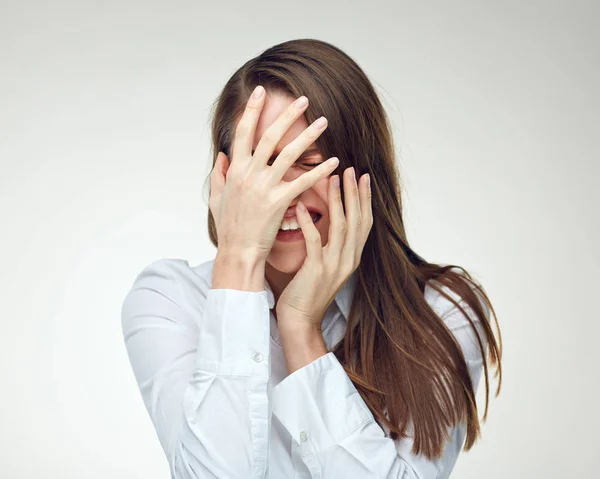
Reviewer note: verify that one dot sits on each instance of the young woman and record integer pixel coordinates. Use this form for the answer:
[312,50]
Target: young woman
[317,343]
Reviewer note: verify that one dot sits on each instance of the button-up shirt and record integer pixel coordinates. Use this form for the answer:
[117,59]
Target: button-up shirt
[211,371]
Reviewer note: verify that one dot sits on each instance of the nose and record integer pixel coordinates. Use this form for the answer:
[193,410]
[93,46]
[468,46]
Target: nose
[290,175]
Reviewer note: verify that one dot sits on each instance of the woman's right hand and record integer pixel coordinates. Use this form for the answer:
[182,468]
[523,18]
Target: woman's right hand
[248,198]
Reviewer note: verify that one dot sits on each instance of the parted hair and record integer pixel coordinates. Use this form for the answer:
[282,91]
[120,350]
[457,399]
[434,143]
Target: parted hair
[401,356]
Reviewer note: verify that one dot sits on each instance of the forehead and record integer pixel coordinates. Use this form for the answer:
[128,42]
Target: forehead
[275,105]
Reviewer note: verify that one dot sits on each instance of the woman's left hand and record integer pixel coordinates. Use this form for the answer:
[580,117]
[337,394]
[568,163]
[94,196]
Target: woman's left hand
[302,304]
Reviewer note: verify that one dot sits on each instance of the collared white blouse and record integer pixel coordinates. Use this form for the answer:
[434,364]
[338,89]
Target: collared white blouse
[213,378]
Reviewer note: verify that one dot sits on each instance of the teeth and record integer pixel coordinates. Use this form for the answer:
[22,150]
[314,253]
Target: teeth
[289,224]
[292,224]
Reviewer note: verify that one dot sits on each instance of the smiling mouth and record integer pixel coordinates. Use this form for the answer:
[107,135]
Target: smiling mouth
[315,217]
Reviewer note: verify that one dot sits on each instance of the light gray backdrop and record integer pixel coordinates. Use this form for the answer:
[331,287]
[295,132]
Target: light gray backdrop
[104,150]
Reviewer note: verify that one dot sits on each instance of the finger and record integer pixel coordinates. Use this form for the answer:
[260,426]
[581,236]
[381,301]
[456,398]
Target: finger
[308,179]
[217,185]
[337,219]
[273,134]
[246,127]
[366,209]
[223,166]
[353,215]
[218,173]
[296,148]
[312,237]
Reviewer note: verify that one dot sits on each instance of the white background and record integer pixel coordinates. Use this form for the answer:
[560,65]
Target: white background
[104,149]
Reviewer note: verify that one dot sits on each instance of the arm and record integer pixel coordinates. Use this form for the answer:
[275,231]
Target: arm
[337,433]
[202,370]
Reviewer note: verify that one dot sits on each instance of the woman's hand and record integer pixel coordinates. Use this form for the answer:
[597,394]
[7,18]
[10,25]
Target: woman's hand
[302,304]
[248,198]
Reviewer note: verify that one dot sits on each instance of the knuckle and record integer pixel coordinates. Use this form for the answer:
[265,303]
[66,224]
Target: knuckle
[314,239]
[291,113]
[290,151]
[270,136]
[348,268]
[308,136]
[274,195]
[242,128]
[237,180]
[314,132]
[301,143]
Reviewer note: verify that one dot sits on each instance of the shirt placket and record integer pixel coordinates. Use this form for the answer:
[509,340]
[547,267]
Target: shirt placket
[303,452]
[298,463]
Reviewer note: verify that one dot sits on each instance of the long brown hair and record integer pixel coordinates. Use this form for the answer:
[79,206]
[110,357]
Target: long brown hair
[400,355]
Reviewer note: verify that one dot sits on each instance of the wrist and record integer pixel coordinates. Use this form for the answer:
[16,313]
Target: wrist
[234,270]
[300,350]
[297,333]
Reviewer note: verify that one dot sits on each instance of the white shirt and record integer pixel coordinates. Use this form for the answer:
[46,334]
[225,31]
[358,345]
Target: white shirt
[211,371]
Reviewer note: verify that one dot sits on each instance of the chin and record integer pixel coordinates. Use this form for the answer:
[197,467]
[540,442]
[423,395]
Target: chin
[287,261]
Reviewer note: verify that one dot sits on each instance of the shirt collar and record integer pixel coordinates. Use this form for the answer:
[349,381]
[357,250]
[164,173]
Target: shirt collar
[343,298]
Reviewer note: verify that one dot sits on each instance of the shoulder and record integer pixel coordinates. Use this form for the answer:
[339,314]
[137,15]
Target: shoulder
[168,272]
[169,283]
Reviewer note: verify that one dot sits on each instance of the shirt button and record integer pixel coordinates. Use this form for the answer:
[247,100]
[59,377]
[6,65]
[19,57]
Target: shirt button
[257,357]
[303,436]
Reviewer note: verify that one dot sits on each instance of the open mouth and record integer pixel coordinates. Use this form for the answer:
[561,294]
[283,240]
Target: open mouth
[294,224]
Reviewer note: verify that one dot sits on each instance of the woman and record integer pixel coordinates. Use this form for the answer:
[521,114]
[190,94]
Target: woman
[317,343]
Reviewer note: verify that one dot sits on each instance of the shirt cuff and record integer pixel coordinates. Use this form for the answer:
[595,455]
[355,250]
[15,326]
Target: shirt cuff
[319,405]
[234,333]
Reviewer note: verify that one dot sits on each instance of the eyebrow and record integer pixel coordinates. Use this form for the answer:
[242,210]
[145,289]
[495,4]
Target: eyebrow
[304,154]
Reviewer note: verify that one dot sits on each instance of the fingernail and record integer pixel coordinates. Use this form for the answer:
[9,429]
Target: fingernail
[258,91]
[336,181]
[301,206]
[301,102]
[320,123]
[353,174]
[368,180]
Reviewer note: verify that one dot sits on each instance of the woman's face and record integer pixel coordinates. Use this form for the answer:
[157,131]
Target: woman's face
[288,256]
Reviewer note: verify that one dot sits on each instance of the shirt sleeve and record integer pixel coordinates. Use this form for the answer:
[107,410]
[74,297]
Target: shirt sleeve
[193,361]
[336,432]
